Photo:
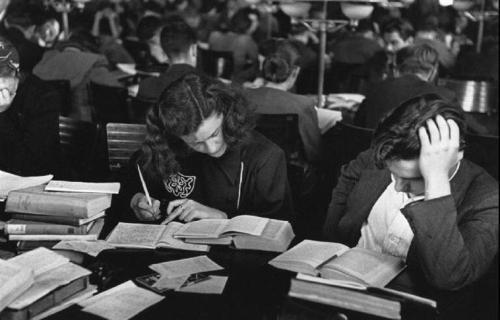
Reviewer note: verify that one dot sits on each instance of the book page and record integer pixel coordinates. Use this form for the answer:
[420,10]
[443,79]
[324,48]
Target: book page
[135,235]
[9,182]
[92,248]
[86,187]
[40,260]
[167,239]
[252,225]
[178,268]
[123,304]
[49,281]
[309,252]
[373,268]
[214,285]
[207,228]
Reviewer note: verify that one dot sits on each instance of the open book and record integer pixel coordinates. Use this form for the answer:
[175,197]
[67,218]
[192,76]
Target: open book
[148,236]
[245,232]
[14,280]
[337,261]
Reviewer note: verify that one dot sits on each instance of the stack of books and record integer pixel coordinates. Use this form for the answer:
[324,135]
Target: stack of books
[41,216]
[40,282]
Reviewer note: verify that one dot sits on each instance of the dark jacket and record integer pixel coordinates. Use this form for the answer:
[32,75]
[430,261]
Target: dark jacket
[29,130]
[455,237]
[389,94]
[214,182]
[150,89]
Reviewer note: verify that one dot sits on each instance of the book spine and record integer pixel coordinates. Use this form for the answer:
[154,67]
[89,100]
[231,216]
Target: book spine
[72,221]
[42,229]
[24,202]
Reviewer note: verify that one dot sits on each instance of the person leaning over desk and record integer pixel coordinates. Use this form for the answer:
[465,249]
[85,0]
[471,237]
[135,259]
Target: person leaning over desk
[202,159]
[413,195]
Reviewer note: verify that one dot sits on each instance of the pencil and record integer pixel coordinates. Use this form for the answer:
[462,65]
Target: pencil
[144,187]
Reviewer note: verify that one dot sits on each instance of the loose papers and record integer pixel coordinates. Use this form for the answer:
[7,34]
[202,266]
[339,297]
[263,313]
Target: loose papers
[92,248]
[9,182]
[183,267]
[121,302]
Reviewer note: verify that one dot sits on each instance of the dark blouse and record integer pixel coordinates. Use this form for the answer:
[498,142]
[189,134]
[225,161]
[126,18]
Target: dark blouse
[250,178]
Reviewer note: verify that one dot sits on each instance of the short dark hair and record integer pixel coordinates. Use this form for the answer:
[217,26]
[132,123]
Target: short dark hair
[177,37]
[180,111]
[419,58]
[241,22]
[401,26]
[147,27]
[396,137]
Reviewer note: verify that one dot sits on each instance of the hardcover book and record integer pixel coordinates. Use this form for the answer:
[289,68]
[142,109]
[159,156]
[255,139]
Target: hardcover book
[337,261]
[147,236]
[245,232]
[35,200]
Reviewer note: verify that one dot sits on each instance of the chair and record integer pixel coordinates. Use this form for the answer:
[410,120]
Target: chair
[110,104]
[218,64]
[139,109]
[78,143]
[341,144]
[474,96]
[483,151]
[122,141]
[63,87]
[283,130]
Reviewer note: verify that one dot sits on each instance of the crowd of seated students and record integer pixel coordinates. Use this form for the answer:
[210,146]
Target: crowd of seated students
[412,194]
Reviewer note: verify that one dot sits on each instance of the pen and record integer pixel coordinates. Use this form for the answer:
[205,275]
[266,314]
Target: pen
[144,187]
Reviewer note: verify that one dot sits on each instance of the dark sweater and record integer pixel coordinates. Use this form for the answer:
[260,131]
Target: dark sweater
[29,130]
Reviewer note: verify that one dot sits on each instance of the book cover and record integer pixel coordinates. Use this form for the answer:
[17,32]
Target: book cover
[91,235]
[65,220]
[35,200]
[345,298]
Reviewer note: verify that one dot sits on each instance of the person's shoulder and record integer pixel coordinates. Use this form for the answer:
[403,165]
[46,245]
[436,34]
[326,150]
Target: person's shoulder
[258,148]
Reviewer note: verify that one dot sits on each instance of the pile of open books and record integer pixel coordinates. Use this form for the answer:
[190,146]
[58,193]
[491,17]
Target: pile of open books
[40,282]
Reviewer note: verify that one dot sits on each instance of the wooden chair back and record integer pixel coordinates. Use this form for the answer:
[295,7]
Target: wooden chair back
[123,139]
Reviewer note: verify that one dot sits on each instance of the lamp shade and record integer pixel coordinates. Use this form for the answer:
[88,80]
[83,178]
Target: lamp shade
[296,10]
[356,11]
[462,5]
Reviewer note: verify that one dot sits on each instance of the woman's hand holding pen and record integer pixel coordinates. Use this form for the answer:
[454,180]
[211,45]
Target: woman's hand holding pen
[143,210]
[188,210]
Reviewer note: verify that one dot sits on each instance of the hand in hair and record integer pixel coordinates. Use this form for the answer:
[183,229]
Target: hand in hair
[188,210]
[439,155]
[142,210]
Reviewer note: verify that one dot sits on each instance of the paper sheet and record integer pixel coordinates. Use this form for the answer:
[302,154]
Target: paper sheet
[214,285]
[123,303]
[40,260]
[178,268]
[9,182]
[49,281]
[92,248]
[86,187]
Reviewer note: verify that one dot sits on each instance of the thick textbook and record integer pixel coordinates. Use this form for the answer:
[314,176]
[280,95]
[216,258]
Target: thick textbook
[346,299]
[16,226]
[148,236]
[55,279]
[67,220]
[91,235]
[14,280]
[35,200]
[245,232]
[337,261]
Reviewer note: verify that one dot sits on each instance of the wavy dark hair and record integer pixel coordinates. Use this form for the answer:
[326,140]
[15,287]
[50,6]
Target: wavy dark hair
[281,59]
[180,111]
[396,137]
